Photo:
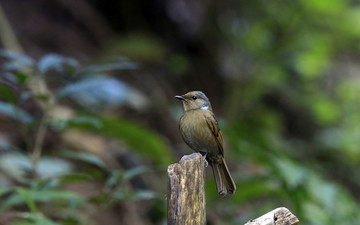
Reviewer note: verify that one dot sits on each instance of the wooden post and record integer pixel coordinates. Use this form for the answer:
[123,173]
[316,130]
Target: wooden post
[279,216]
[186,191]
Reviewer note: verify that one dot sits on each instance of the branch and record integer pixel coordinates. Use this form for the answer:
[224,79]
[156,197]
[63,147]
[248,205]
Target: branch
[8,38]
[186,191]
[279,216]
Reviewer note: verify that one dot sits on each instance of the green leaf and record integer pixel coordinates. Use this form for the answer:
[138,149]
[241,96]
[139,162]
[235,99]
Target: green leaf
[327,7]
[21,76]
[28,199]
[315,213]
[17,165]
[94,90]
[39,196]
[75,178]
[312,61]
[349,91]
[118,176]
[325,110]
[291,172]
[95,122]
[22,58]
[52,167]
[101,68]
[56,62]
[97,92]
[131,173]
[7,93]
[143,140]
[253,188]
[122,195]
[146,142]
[15,113]
[61,124]
[34,219]
[6,146]
[115,177]
[85,157]
[14,66]
[142,195]
[5,190]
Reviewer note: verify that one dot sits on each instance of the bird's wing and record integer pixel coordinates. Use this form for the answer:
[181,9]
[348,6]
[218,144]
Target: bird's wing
[215,130]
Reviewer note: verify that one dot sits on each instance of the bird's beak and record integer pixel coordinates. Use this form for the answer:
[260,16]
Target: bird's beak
[180,97]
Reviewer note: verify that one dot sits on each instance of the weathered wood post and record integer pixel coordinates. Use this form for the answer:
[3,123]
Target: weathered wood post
[186,196]
[278,216]
[186,191]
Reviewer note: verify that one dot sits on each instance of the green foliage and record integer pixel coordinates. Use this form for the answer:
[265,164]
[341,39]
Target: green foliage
[293,76]
[43,178]
[117,176]
[16,60]
[15,113]
[34,219]
[135,136]
[29,197]
[85,157]
[7,94]
[56,62]
[106,67]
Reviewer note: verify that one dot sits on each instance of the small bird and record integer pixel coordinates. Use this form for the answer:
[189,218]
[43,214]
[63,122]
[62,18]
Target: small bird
[200,131]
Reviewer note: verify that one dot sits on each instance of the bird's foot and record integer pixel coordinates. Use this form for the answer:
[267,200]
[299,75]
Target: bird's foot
[206,162]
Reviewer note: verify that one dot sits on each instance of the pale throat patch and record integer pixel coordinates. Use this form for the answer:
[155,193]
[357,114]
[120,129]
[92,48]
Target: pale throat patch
[205,107]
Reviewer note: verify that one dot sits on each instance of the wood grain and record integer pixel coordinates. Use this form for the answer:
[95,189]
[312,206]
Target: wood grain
[186,191]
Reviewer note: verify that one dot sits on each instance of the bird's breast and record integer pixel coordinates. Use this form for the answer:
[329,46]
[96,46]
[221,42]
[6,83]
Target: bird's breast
[195,131]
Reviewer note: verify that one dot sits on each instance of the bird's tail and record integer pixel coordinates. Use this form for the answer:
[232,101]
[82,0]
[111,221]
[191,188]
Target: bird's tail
[224,182]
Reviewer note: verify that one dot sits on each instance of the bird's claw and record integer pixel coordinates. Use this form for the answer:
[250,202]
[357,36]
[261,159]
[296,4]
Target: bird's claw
[206,162]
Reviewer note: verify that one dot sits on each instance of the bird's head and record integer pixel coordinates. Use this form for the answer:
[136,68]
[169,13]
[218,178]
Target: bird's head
[194,100]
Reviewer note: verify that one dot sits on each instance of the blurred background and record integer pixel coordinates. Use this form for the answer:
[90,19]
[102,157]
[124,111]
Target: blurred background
[88,122]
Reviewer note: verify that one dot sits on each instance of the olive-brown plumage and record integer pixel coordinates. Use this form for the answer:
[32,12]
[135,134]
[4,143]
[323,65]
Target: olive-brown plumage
[200,131]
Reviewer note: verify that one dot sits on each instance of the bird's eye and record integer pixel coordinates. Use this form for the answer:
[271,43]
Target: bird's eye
[194,97]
